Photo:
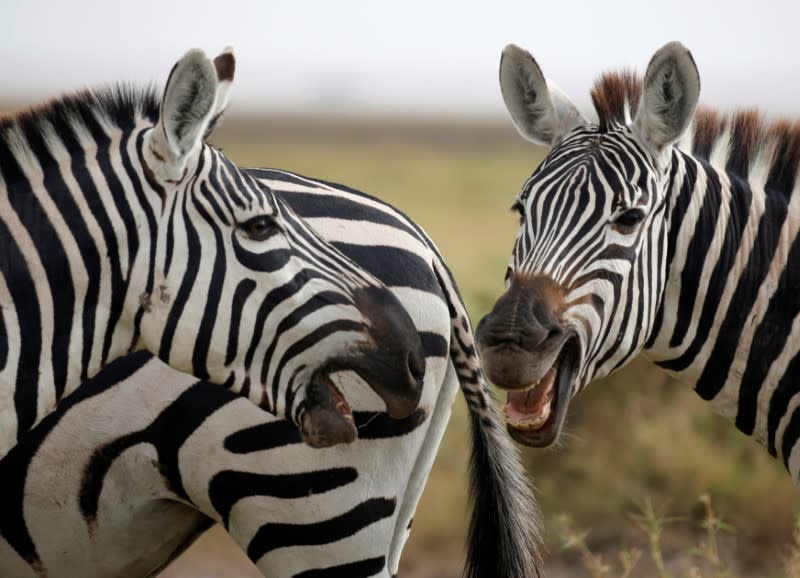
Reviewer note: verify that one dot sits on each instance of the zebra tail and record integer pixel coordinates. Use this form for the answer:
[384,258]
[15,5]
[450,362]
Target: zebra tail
[504,523]
[503,532]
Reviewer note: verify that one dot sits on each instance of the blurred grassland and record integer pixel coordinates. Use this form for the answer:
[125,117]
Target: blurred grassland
[633,439]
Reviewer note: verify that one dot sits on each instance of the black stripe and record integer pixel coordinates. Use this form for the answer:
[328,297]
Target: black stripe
[119,278]
[308,341]
[239,187]
[311,248]
[91,257]
[243,290]
[674,218]
[769,339]
[378,425]
[738,209]
[144,207]
[317,302]
[213,193]
[167,433]
[14,465]
[51,252]
[434,345]
[392,266]
[274,298]
[263,262]
[170,224]
[263,437]
[790,436]
[360,569]
[272,537]
[193,262]
[280,433]
[311,205]
[227,185]
[228,487]
[26,309]
[698,248]
[3,338]
[779,402]
[713,376]
[217,185]
[212,300]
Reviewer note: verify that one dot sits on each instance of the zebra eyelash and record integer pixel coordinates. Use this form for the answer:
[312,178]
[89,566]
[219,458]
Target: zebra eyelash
[629,220]
[259,228]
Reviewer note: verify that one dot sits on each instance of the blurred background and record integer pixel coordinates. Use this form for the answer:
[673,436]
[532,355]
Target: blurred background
[401,100]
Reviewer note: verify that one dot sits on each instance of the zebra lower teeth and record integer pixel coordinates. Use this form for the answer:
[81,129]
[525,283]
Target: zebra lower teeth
[529,409]
[343,408]
[530,423]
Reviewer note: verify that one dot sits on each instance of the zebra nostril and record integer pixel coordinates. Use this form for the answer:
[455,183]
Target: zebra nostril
[554,332]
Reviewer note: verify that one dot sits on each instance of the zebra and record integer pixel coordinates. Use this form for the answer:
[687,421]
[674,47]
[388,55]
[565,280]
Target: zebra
[663,228]
[123,230]
[99,489]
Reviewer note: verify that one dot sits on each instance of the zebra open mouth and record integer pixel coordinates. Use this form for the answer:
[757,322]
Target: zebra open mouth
[534,415]
[327,418]
[338,399]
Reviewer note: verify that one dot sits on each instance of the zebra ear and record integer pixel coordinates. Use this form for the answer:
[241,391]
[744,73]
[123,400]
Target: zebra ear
[225,65]
[540,111]
[669,97]
[187,107]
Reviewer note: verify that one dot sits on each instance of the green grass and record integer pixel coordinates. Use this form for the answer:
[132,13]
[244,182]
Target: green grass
[634,439]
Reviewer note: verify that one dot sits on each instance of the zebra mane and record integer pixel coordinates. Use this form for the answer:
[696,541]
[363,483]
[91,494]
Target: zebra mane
[119,105]
[741,143]
[615,96]
[746,144]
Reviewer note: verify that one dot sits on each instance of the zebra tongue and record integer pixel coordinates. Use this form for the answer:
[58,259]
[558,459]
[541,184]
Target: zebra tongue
[530,409]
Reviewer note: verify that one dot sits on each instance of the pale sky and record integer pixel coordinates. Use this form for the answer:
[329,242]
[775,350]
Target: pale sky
[415,56]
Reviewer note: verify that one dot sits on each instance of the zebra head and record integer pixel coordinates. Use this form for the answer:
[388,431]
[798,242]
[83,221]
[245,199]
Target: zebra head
[242,292]
[587,272]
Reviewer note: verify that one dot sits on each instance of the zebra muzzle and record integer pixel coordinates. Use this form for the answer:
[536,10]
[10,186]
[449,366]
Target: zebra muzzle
[392,362]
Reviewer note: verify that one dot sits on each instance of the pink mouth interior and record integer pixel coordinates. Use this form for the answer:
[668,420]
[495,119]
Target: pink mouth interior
[338,399]
[531,403]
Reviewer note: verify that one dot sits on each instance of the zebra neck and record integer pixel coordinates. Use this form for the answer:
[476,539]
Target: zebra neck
[719,327]
[75,223]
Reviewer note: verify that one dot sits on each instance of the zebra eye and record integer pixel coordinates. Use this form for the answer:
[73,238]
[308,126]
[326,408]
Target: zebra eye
[259,228]
[629,219]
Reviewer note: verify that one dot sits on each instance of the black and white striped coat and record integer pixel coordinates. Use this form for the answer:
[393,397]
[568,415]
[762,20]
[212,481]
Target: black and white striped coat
[661,230]
[123,230]
[135,464]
